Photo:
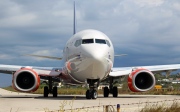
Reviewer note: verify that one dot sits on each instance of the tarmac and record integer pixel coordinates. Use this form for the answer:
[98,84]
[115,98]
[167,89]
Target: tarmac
[25,102]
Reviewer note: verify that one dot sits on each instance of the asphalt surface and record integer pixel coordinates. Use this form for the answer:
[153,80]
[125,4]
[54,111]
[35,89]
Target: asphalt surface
[23,102]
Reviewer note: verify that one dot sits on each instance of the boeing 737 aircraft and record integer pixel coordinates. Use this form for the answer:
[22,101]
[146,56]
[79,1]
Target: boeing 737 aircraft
[89,57]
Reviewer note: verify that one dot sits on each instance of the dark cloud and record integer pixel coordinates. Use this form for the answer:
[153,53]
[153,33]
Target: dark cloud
[148,31]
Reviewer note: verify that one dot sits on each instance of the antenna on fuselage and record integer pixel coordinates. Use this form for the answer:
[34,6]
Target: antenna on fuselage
[74,21]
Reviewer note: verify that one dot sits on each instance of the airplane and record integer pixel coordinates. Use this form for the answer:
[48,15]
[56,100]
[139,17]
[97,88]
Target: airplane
[88,59]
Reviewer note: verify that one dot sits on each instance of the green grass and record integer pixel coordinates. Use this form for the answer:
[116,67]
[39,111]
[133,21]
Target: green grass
[69,91]
[9,88]
[82,91]
[63,91]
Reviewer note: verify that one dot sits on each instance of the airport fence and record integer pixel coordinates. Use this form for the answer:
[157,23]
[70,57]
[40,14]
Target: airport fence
[118,107]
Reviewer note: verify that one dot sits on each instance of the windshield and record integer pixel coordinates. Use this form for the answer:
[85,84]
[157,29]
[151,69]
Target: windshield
[100,41]
[87,41]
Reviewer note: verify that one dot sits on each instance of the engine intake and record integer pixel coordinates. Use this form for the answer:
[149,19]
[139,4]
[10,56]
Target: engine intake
[141,80]
[26,80]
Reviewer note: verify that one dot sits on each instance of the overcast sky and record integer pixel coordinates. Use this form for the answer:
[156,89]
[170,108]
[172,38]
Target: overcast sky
[146,30]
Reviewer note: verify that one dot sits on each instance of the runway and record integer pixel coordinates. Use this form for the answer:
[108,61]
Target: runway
[22,102]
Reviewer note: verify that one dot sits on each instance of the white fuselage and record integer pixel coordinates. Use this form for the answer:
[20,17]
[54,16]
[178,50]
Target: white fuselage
[89,54]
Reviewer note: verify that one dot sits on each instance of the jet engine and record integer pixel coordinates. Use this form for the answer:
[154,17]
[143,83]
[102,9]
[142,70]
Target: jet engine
[26,80]
[140,80]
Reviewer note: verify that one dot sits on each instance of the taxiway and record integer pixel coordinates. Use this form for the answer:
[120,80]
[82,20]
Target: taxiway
[23,102]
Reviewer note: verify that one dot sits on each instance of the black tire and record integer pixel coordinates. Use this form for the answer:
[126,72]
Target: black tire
[106,91]
[46,91]
[54,91]
[88,94]
[94,94]
[115,91]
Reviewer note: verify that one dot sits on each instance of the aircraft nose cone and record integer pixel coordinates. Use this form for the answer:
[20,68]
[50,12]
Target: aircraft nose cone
[95,60]
[94,52]
[96,55]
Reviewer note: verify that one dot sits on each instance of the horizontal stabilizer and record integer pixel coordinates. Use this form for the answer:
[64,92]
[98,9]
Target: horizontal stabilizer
[120,55]
[49,57]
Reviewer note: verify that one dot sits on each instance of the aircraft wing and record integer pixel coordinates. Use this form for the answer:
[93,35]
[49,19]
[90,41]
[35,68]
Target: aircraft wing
[44,71]
[121,71]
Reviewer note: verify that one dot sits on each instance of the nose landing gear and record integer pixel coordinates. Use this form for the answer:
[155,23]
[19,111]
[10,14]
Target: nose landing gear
[92,93]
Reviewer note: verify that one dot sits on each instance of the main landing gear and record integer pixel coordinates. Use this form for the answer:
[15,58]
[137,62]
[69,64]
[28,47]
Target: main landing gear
[91,93]
[50,89]
[112,89]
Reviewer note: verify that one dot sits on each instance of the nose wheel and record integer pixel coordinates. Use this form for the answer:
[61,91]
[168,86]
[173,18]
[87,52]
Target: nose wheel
[91,94]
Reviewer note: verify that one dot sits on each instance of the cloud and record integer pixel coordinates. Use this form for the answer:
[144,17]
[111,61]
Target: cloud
[153,3]
[13,15]
[133,26]
[5,57]
[146,30]
[20,20]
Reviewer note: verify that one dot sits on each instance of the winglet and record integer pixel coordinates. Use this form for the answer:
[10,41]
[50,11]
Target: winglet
[74,19]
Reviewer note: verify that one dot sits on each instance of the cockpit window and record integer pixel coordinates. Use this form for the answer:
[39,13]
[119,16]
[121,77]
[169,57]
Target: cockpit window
[108,43]
[77,43]
[100,41]
[87,41]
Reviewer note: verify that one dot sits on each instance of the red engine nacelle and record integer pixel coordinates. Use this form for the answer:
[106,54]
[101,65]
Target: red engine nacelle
[26,80]
[141,80]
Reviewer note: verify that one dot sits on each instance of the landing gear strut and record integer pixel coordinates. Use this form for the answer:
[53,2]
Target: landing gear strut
[91,93]
[112,89]
[51,89]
